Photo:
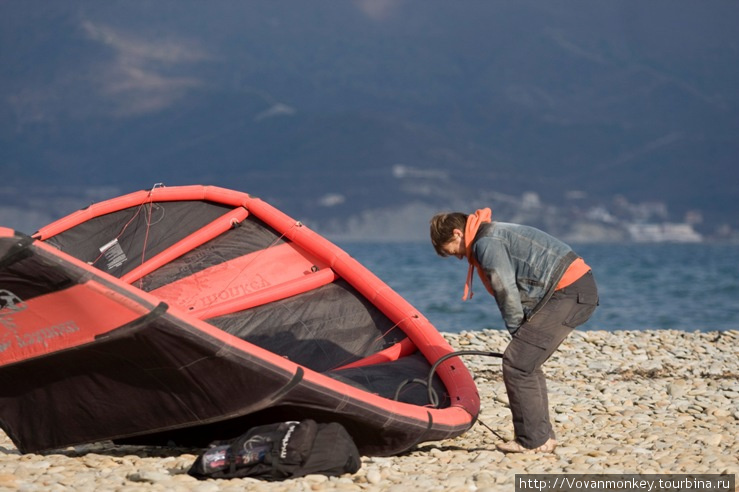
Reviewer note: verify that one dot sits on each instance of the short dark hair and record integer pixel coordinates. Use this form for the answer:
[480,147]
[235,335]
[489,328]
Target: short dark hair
[442,229]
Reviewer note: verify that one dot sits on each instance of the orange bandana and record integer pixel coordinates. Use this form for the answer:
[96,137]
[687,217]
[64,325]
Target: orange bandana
[474,221]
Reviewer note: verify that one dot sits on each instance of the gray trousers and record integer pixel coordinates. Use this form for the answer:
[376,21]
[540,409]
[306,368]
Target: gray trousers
[532,344]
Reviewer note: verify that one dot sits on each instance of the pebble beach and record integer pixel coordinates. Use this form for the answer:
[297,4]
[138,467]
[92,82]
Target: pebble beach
[632,402]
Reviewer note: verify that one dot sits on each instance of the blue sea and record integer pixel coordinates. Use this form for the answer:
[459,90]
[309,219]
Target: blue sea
[685,287]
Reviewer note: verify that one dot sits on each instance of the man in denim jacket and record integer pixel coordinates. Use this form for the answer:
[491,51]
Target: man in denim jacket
[543,290]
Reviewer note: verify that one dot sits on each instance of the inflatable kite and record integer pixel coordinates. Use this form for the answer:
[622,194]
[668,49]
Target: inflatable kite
[189,314]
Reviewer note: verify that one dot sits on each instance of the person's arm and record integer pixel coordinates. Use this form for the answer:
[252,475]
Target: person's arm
[494,258]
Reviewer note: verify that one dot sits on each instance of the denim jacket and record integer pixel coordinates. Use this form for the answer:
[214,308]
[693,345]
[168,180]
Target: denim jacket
[523,266]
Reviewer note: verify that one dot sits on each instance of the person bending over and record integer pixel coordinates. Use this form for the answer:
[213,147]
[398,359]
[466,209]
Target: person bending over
[543,290]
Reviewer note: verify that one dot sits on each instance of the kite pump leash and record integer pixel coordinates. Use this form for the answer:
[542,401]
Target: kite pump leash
[432,396]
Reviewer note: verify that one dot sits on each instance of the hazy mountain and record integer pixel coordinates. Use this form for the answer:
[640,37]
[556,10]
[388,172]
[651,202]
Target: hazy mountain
[334,109]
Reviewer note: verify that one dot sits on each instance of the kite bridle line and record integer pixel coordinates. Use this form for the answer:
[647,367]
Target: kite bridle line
[136,214]
[148,225]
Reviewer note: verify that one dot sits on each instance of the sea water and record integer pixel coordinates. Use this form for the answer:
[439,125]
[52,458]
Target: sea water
[642,286]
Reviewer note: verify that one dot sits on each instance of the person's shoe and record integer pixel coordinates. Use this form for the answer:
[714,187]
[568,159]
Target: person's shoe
[515,447]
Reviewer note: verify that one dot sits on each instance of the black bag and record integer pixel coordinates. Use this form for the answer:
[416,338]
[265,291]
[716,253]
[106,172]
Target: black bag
[280,451]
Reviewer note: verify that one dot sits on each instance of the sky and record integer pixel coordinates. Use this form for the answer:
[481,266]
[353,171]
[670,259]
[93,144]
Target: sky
[602,98]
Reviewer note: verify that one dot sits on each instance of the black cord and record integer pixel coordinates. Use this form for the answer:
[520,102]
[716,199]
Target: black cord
[434,400]
[490,429]
[432,396]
